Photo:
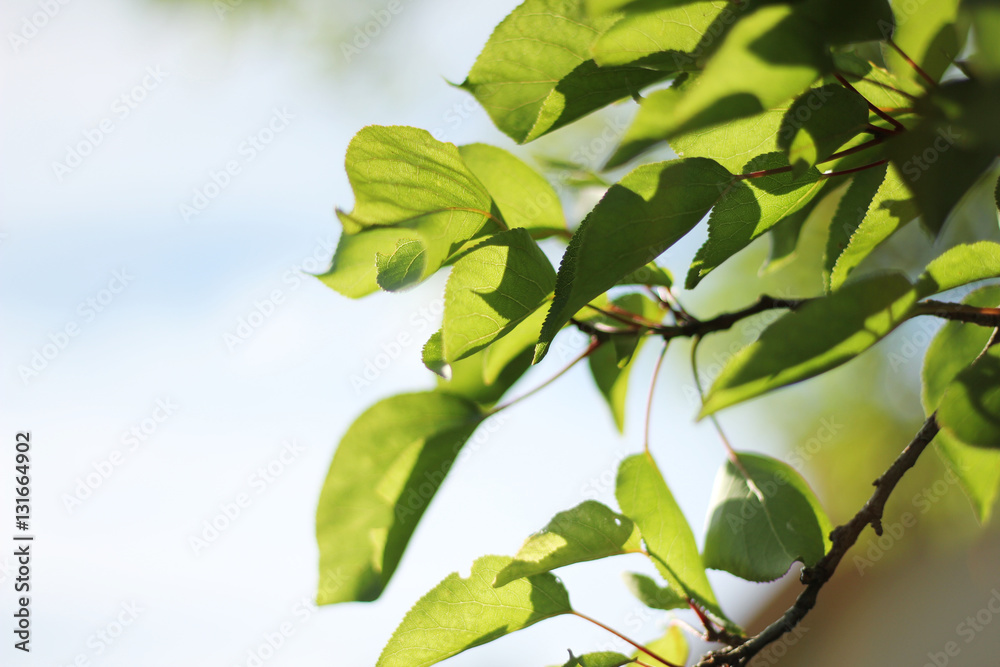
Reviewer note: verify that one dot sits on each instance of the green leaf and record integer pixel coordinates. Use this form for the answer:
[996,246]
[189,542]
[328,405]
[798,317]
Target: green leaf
[459,614]
[848,21]
[749,208]
[491,289]
[985,16]
[820,335]
[970,408]
[785,233]
[890,209]
[535,73]
[670,32]
[955,347]
[672,647]
[927,34]
[652,594]
[385,472]
[732,144]
[524,197]
[602,659]
[433,356]
[645,498]
[768,57]
[959,266]
[874,83]
[762,518]
[587,532]
[820,122]
[849,217]
[353,272]
[638,218]
[406,180]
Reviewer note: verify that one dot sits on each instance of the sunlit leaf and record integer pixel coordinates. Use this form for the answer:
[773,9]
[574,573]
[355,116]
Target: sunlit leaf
[535,73]
[461,613]
[644,497]
[587,532]
[672,647]
[524,197]
[602,659]
[749,208]
[491,289]
[819,122]
[638,218]
[927,34]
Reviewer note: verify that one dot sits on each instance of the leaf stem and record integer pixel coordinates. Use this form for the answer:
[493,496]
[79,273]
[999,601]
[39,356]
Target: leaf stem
[878,112]
[649,399]
[595,343]
[843,172]
[625,639]
[909,61]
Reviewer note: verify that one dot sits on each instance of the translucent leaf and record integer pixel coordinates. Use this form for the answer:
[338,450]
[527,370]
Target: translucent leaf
[524,197]
[762,518]
[970,408]
[959,266]
[820,335]
[672,646]
[645,498]
[820,122]
[876,84]
[650,275]
[985,17]
[953,349]
[405,180]
[670,32]
[491,289]
[433,356]
[769,56]
[459,614]
[652,594]
[890,209]
[385,472]
[732,144]
[535,73]
[638,218]
[587,532]
[749,208]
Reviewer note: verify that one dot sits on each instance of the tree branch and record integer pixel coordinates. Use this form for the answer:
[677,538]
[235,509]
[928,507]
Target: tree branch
[843,538]
[960,312]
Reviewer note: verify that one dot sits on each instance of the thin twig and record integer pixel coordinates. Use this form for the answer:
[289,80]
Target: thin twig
[649,399]
[625,639]
[878,112]
[595,343]
[909,61]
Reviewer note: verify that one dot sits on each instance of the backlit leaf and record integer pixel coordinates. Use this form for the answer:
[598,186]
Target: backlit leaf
[587,532]
[461,613]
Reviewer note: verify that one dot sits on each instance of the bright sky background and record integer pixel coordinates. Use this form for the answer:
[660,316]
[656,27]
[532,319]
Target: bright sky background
[113,223]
